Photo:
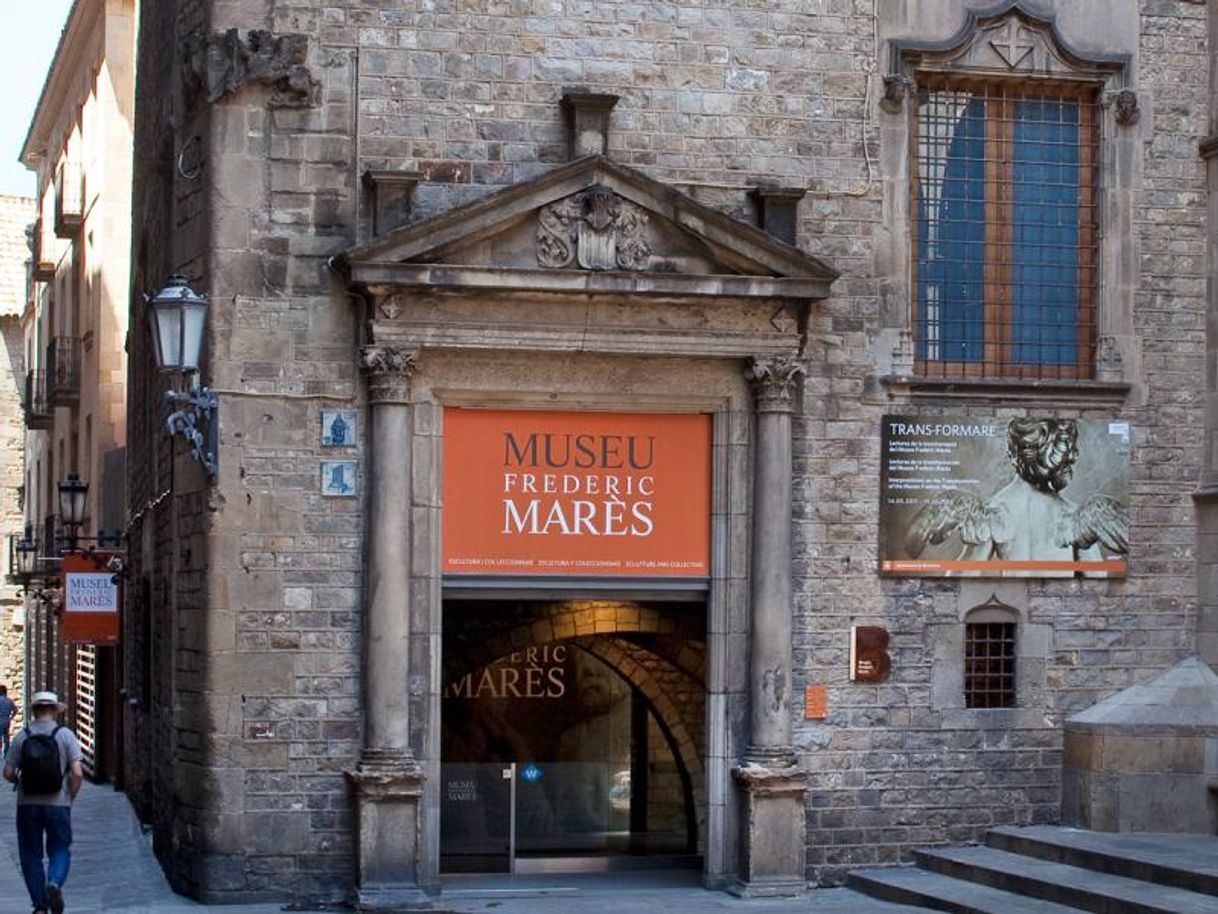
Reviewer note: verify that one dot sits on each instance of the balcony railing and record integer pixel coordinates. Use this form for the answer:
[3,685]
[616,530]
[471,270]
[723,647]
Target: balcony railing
[63,370]
[38,412]
[43,265]
[69,199]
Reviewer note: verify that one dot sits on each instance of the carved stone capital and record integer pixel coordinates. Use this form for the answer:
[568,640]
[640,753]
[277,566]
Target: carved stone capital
[389,370]
[216,65]
[774,383]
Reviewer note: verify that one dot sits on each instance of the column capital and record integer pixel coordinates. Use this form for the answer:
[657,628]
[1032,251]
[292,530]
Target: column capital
[389,370]
[774,382]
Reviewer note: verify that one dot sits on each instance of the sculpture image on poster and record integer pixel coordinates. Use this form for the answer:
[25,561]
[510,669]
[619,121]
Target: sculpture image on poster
[1024,497]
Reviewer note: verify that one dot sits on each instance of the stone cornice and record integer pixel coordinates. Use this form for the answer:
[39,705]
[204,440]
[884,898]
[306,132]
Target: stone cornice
[441,276]
[72,66]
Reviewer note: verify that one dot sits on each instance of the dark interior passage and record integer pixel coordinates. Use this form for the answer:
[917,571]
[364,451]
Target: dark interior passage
[571,729]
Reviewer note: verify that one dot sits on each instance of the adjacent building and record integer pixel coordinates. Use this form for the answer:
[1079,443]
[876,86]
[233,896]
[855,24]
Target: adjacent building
[16,213]
[737,436]
[75,329]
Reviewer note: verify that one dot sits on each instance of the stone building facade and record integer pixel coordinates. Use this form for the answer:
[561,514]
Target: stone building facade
[16,213]
[409,213]
[75,328]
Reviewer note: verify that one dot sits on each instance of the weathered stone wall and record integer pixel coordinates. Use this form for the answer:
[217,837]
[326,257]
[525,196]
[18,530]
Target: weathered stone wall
[15,214]
[262,656]
[12,484]
[894,768]
[165,723]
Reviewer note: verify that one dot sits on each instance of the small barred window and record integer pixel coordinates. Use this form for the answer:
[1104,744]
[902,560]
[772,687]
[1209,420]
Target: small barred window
[989,665]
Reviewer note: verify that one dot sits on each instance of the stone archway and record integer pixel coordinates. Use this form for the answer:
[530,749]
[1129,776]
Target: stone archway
[660,655]
[467,309]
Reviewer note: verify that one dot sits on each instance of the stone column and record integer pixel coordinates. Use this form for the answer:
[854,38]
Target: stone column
[388,780]
[773,852]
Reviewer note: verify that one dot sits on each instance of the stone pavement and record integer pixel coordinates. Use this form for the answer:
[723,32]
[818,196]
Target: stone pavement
[113,868]
[114,871]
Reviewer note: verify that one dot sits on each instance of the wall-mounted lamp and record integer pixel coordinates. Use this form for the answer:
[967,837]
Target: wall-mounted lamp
[25,558]
[73,493]
[24,562]
[177,316]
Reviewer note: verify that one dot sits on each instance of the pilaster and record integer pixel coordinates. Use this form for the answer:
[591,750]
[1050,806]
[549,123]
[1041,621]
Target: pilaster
[773,839]
[388,781]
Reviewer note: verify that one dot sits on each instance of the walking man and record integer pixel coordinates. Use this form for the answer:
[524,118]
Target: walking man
[44,761]
[8,711]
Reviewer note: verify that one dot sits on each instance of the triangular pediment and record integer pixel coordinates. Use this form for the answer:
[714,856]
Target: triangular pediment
[587,224]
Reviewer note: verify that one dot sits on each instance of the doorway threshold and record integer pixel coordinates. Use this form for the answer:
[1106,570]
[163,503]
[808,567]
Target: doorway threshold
[576,875]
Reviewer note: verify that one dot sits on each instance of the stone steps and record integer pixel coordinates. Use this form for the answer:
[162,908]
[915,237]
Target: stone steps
[1045,870]
[1182,861]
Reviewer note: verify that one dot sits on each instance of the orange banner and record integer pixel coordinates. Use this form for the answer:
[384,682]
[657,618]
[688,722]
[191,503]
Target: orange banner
[915,566]
[576,493]
[91,600]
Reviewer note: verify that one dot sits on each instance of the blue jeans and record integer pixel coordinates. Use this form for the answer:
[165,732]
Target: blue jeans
[33,823]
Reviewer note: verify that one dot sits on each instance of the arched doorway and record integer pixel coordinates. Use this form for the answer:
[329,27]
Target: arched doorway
[573,735]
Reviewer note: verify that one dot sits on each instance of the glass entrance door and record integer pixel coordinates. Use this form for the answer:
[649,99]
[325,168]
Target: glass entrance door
[476,817]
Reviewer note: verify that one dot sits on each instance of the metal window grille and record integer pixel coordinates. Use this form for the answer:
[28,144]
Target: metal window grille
[989,665]
[1005,233]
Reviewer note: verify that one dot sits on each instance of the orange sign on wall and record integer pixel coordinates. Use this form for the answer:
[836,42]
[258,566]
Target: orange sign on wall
[91,600]
[576,493]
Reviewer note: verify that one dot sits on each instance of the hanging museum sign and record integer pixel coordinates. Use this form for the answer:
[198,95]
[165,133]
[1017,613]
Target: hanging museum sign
[1019,497]
[90,600]
[533,492]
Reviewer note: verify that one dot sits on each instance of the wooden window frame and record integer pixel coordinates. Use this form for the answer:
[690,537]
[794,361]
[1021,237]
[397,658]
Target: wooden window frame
[998,310]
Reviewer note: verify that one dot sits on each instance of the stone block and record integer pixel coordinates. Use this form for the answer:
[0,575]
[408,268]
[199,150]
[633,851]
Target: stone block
[1167,803]
[268,673]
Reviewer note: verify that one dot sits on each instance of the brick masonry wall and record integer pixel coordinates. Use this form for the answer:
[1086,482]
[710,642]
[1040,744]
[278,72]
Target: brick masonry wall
[714,98]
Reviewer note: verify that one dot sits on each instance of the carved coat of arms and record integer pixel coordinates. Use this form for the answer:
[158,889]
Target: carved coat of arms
[596,229]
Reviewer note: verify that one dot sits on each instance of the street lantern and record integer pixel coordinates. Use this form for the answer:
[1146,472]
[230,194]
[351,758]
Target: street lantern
[26,550]
[73,493]
[177,315]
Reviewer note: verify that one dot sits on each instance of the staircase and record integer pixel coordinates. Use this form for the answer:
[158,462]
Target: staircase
[1050,870]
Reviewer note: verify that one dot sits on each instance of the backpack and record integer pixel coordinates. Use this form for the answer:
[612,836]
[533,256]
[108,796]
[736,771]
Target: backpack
[41,773]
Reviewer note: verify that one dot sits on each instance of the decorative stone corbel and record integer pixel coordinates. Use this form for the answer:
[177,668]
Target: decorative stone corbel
[896,87]
[217,65]
[1124,103]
